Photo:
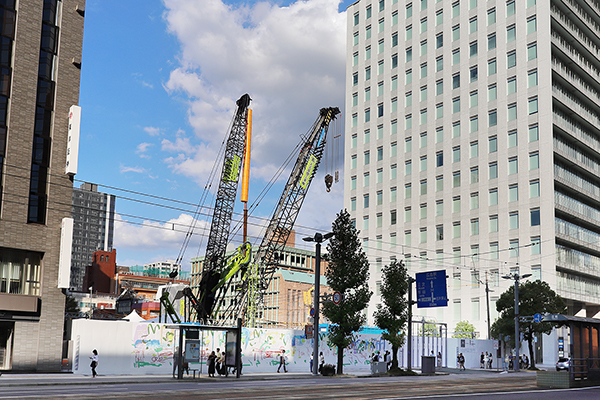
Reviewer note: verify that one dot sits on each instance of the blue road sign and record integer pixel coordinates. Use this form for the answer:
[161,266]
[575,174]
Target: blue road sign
[537,317]
[431,289]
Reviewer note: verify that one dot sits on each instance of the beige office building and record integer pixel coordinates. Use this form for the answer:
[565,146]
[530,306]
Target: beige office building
[40,61]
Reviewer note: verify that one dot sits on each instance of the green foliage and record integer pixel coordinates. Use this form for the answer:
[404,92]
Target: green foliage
[534,297]
[392,315]
[71,305]
[464,330]
[431,329]
[347,273]
[328,370]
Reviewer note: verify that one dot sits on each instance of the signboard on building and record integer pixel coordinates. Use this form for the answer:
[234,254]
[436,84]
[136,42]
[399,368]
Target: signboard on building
[431,289]
[73,140]
[64,258]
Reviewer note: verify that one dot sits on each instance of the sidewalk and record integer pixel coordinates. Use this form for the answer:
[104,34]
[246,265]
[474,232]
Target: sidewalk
[65,378]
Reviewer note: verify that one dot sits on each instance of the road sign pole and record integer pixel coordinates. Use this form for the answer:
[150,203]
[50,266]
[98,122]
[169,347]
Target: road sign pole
[409,339]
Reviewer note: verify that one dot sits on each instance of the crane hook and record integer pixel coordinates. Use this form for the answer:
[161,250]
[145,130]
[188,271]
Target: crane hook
[328,182]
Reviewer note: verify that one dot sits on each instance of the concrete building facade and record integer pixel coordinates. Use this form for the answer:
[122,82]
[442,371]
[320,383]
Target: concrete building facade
[40,60]
[473,145]
[93,229]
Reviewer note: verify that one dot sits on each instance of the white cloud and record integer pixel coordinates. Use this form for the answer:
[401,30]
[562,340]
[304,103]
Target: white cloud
[142,148]
[291,60]
[138,170]
[152,131]
[181,145]
[150,235]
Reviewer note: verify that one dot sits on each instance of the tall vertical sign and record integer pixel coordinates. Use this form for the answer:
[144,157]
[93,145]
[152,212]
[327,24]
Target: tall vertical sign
[64,259]
[73,140]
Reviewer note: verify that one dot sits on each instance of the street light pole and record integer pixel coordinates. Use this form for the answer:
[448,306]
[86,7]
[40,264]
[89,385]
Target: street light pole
[487,300]
[516,277]
[318,239]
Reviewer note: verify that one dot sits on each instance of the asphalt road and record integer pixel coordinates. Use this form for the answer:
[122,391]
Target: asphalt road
[490,387]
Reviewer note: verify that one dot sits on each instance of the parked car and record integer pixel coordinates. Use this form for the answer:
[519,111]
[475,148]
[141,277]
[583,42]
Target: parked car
[563,363]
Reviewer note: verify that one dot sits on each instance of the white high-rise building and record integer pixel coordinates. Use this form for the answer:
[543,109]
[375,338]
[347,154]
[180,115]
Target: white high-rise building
[473,145]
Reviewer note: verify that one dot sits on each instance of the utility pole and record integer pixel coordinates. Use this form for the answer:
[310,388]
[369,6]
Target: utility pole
[487,300]
[516,277]
[318,239]
[409,344]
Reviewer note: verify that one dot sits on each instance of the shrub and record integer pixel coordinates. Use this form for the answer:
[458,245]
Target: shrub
[328,370]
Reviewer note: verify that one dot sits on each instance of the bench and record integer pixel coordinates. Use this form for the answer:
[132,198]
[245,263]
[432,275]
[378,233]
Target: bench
[194,372]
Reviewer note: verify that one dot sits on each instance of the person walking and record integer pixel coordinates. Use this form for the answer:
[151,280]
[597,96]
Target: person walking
[482,361]
[311,362]
[461,362]
[212,359]
[439,359]
[94,363]
[321,361]
[505,363]
[282,361]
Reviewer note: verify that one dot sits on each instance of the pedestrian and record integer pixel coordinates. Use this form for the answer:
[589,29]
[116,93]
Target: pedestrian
[462,362]
[375,357]
[321,361]
[505,363]
[175,361]
[282,361]
[386,356]
[94,363]
[439,359]
[212,358]
[482,361]
[489,361]
[311,361]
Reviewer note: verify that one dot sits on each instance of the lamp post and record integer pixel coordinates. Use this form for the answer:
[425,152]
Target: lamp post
[318,239]
[516,277]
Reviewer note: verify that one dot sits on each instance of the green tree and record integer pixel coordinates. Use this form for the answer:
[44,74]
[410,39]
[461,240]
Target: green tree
[71,306]
[464,330]
[431,329]
[392,315]
[347,273]
[534,297]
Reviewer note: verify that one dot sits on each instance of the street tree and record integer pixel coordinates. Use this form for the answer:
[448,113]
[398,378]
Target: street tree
[464,330]
[392,315]
[534,297]
[71,305]
[347,273]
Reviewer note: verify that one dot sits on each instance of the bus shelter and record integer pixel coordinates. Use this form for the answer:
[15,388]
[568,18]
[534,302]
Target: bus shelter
[583,345]
[191,333]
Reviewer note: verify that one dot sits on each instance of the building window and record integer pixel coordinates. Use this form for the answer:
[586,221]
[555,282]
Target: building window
[532,52]
[407,214]
[513,220]
[511,59]
[492,41]
[456,179]
[534,189]
[491,14]
[439,87]
[473,74]
[439,158]
[512,85]
[512,139]
[423,185]
[473,25]
[456,204]
[456,230]
[473,49]
[492,68]
[456,154]
[474,227]
[439,232]
[512,112]
[439,207]
[474,175]
[532,79]
[473,99]
[456,57]
[531,25]
[535,217]
[511,33]
[439,183]
[493,170]
[20,272]
[533,106]
[513,193]
[493,223]
[456,105]
[492,118]
[366,201]
[513,166]
[474,201]
[493,197]
[493,144]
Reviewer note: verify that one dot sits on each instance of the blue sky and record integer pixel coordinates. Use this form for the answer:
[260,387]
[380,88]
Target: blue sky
[159,82]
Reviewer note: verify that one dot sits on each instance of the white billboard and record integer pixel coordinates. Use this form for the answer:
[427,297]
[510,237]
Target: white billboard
[73,140]
[64,259]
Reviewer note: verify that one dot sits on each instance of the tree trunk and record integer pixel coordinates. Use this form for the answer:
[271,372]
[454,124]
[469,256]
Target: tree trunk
[394,357]
[340,360]
[531,358]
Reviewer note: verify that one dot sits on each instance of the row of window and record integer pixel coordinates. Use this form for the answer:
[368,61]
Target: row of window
[513,195]
[455,10]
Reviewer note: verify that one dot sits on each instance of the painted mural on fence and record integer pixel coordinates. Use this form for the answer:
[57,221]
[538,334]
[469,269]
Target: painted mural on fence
[261,349]
[153,345]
